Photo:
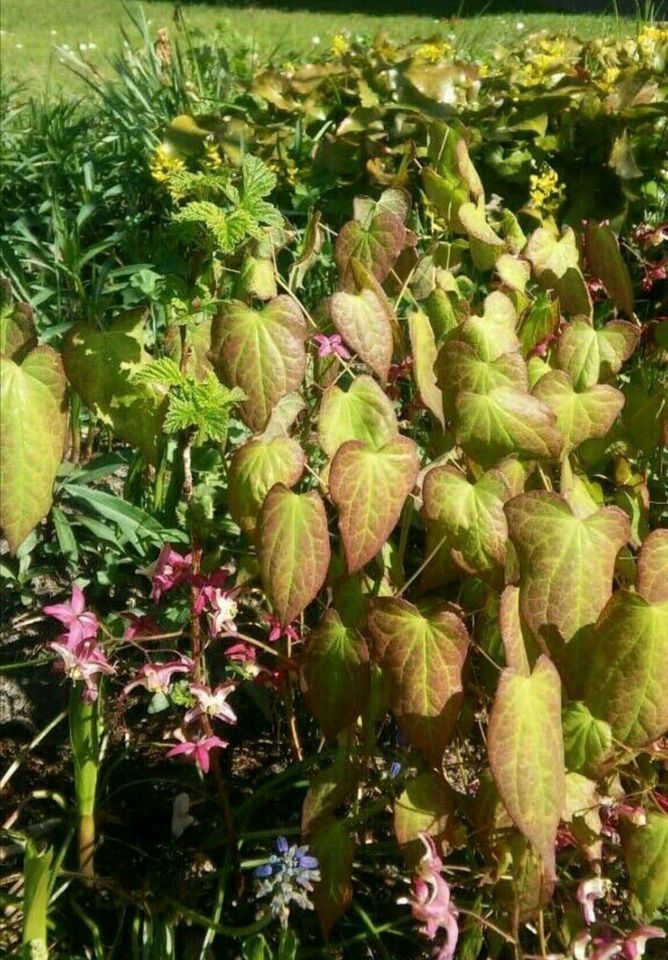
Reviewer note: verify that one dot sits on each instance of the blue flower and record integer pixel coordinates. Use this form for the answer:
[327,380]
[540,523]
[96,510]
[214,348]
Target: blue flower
[287,877]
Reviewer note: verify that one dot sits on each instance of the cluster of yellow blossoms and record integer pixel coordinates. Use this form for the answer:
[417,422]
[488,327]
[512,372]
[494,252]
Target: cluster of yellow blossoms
[163,164]
[545,190]
[432,52]
[340,45]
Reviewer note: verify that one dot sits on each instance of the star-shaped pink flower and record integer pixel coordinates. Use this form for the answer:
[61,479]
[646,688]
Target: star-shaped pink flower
[84,661]
[211,703]
[157,677]
[170,569]
[331,345]
[81,623]
[199,750]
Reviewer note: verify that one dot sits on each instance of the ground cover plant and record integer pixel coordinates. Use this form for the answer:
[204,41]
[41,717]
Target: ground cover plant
[333,496]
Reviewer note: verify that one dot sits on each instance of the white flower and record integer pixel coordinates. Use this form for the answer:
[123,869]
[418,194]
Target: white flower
[315,40]
[181,819]
[519,25]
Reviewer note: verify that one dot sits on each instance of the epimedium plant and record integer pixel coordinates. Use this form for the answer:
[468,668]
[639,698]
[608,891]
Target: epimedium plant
[420,517]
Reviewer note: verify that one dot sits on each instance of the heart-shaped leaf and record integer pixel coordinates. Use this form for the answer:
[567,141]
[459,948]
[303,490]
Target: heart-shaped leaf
[486,246]
[426,805]
[364,321]
[422,656]
[334,848]
[556,264]
[423,344]
[293,549]
[526,754]
[493,333]
[362,412]
[589,355]
[33,424]
[514,272]
[653,568]
[646,855]
[253,471]
[459,368]
[566,564]
[260,351]
[606,263]
[587,741]
[328,789]
[101,366]
[580,416]
[375,244]
[335,675]
[369,488]
[504,421]
[539,324]
[18,335]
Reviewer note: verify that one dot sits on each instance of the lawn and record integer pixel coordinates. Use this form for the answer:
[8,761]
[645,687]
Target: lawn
[32,31]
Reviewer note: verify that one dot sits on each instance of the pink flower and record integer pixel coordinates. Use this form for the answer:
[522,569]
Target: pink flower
[221,602]
[635,942]
[588,891]
[605,948]
[277,630]
[198,749]
[430,900]
[82,624]
[170,569]
[212,703]
[84,661]
[157,677]
[140,626]
[331,345]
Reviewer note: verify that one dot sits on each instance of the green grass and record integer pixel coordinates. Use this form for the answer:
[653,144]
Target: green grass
[32,30]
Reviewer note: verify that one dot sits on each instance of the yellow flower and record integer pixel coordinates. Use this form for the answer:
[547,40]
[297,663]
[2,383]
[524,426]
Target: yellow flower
[340,45]
[433,52]
[163,163]
[609,78]
[212,156]
[545,190]
[483,70]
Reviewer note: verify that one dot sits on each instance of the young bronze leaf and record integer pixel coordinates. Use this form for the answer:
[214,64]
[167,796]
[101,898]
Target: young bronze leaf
[580,416]
[369,488]
[253,471]
[335,674]
[510,626]
[426,805]
[646,855]
[526,754]
[364,322]
[587,741]
[362,412]
[566,563]
[423,344]
[376,245]
[589,355]
[422,657]
[606,263]
[556,264]
[293,549]
[628,675]
[260,351]
[653,568]
[328,789]
[459,368]
[32,438]
[504,421]
[334,848]
[18,335]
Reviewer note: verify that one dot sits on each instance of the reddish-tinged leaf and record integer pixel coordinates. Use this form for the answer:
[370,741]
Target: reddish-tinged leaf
[526,754]
[589,355]
[423,345]
[566,563]
[253,471]
[492,334]
[606,263]
[426,805]
[18,335]
[261,351]
[293,549]
[331,843]
[327,790]
[362,412]
[422,657]
[369,488]
[376,245]
[364,321]
[459,368]
[580,416]
[335,674]
[556,264]
[646,855]
[510,625]
[653,568]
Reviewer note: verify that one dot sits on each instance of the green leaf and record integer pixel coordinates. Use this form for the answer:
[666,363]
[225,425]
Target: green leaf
[423,344]
[335,675]
[364,321]
[605,262]
[253,471]
[539,323]
[506,421]
[492,334]
[293,549]
[101,366]
[628,672]
[36,880]
[556,264]
[516,646]
[199,342]
[426,805]
[589,355]
[334,848]
[526,754]
[369,487]
[646,855]
[566,564]
[362,412]
[514,272]
[459,368]
[256,279]
[376,245]
[328,789]
[422,657]
[32,439]
[653,568]
[18,335]
[486,246]
[587,741]
[260,351]
[580,416]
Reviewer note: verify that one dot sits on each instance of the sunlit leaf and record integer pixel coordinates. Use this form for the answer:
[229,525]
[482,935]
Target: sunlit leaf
[580,416]
[646,855]
[362,412]
[589,355]
[426,805]
[423,344]
[556,264]
[587,740]
[253,471]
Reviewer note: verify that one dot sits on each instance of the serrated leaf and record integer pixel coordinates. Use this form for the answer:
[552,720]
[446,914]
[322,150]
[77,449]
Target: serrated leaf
[580,416]
[33,425]
[363,320]
[253,471]
[646,855]
[101,366]
[328,789]
[260,351]
[369,487]
[526,754]
[605,262]
[422,657]
[653,568]
[556,264]
[362,412]
[426,805]
[331,843]
[589,355]
[505,421]
[423,345]
[293,549]
[566,564]
[335,674]
[375,244]
[587,741]
[628,672]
